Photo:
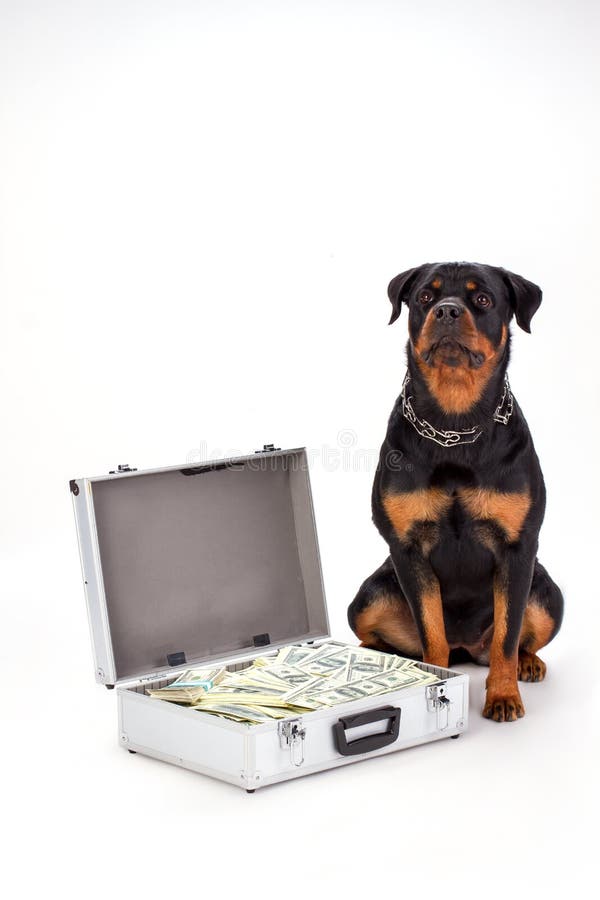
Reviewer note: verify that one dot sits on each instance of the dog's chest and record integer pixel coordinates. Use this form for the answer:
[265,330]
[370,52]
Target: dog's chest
[457,510]
[456,551]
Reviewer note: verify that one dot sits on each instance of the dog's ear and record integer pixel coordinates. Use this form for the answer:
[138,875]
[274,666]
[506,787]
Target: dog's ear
[524,296]
[398,290]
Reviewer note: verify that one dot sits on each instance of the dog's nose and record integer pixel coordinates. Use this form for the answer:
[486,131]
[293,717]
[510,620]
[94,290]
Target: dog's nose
[447,311]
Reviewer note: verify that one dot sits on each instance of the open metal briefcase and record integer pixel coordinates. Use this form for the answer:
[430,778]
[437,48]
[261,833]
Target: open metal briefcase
[218,562]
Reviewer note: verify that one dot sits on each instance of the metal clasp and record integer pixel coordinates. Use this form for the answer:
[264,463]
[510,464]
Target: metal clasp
[268,448]
[439,703]
[291,735]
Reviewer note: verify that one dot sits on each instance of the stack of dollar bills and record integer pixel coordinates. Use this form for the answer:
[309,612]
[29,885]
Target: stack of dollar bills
[295,680]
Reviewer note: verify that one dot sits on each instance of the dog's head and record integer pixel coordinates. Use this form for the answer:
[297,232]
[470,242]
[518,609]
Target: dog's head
[458,317]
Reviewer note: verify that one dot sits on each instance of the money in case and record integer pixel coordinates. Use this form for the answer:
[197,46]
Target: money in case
[218,562]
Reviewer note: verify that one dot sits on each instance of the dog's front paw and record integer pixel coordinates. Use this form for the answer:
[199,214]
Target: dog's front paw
[505,707]
[530,667]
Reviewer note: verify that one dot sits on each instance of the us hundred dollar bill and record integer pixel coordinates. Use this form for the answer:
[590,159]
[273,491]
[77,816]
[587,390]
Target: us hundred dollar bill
[296,679]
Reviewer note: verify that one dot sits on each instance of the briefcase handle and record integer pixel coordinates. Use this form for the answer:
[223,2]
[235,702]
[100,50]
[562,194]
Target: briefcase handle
[370,741]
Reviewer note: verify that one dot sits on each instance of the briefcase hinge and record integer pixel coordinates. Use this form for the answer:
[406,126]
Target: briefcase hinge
[439,703]
[291,736]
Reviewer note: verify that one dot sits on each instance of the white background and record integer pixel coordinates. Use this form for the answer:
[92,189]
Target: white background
[201,205]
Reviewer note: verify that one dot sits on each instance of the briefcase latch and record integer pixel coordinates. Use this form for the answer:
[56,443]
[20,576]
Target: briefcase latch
[268,448]
[291,736]
[438,702]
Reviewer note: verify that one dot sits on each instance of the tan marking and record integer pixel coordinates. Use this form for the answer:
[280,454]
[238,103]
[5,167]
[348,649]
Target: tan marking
[538,627]
[503,702]
[503,670]
[436,283]
[508,510]
[388,619]
[488,539]
[471,285]
[458,388]
[530,667]
[436,649]
[479,650]
[423,505]
[426,536]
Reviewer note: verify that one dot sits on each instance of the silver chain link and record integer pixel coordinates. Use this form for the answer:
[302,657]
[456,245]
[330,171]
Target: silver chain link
[502,414]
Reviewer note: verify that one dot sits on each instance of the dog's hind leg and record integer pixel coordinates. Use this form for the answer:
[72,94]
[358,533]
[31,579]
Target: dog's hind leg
[541,621]
[380,616]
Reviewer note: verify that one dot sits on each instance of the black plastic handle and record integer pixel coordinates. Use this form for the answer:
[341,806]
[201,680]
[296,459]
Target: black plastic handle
[370,741]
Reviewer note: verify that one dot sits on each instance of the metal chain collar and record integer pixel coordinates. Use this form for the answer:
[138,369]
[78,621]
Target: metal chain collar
[502,414]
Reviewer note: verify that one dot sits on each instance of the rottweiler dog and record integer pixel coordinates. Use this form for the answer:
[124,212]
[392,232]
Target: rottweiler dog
[458,494]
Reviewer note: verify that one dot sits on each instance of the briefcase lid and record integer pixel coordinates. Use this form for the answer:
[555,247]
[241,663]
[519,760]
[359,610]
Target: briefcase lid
[200,562]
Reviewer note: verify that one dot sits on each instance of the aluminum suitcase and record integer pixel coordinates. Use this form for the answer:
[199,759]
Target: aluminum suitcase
[218,562]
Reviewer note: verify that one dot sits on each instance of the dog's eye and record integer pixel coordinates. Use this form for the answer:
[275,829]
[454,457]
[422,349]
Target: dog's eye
[483,301]
[425,297]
